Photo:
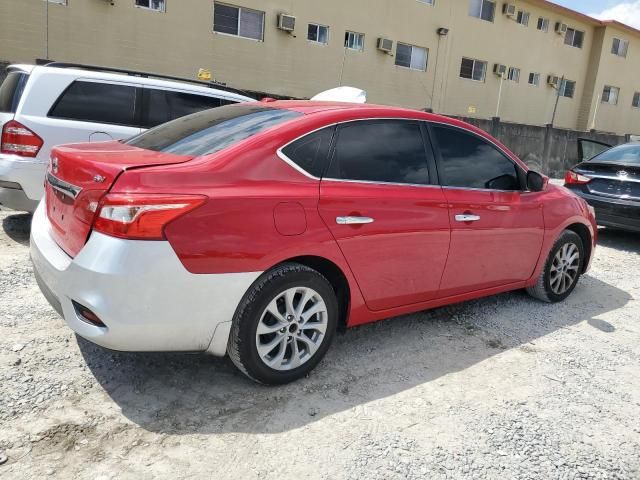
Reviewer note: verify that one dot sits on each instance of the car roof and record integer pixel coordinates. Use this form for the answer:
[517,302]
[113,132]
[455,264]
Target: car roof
[136,79]
[308,107]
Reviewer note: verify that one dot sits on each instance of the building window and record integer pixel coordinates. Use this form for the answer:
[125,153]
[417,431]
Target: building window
[534,79]
[412,57]
[543,24]
[58,2]
[513,74]
[482,9]
[428,2]
[523,18]
[620,47]
[610,95]
[473,69]
[354,41]
[238,21]
[567,88]
[575,38]
[157,5]
[318,33]
[636,100]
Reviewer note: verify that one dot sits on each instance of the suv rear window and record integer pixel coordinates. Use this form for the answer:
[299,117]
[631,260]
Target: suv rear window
[97,102]
[11,91]
[210,131]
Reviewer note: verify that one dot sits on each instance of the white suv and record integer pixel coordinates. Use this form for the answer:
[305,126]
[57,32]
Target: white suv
[45,106]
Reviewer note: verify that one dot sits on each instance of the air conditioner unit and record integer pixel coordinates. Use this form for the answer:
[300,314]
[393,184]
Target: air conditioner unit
[561,28]
[553,80]
[385,45]
[509,9]
[499,69]
[286,22]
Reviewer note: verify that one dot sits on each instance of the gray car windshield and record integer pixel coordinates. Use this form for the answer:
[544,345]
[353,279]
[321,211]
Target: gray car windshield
[211,130]
[628,154]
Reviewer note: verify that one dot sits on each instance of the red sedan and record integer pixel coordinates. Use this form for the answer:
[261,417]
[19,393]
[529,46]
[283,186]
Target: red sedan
[259,229]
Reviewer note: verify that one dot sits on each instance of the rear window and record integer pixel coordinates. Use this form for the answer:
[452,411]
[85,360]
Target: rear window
[97,102]
[161,106]
[210,131]
[11,91]
[629,154]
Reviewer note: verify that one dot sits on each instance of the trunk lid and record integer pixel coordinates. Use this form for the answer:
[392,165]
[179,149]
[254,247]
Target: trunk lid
[613,180]
[80,175]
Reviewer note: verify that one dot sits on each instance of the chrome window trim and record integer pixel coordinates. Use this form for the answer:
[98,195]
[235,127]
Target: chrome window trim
[291,163]
[372,182]
[62,186]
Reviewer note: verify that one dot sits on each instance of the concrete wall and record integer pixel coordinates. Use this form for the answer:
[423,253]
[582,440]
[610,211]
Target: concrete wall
[551,151]
[3,70]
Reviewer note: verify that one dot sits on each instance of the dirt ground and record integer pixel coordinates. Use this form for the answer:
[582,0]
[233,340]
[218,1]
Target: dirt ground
[504,387]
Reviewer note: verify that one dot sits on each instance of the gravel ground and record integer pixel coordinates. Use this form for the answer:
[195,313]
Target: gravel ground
[504,387]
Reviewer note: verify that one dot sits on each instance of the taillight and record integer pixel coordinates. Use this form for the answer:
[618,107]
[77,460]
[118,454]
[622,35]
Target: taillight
[139,216]
[573,178]
[19,140]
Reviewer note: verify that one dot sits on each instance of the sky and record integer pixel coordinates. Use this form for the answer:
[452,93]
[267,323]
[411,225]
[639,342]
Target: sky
[625,11]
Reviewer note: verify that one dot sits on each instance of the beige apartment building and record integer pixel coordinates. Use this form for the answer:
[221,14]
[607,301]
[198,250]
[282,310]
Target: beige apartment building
[477,58]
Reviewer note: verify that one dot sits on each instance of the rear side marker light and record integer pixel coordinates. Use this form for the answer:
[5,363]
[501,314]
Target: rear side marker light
[19,140]
[141,217]
[573,178]
[87,315]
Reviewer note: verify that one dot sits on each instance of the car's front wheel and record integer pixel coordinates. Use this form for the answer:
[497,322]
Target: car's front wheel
[562,269]
[284,325]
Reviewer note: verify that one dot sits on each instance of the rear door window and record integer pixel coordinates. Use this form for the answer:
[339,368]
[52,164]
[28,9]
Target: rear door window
[97,102]
[11,91]
[211,130]
[387,151]
[161,106]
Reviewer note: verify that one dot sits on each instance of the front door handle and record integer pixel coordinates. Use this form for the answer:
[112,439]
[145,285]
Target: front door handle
[467,218]
[353,220]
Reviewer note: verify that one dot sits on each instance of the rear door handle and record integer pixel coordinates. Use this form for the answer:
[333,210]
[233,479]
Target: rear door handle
[353,220]
[467,218]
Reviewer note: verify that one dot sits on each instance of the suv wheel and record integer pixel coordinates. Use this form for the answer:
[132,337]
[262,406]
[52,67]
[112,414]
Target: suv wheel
[284,325]
[562,269]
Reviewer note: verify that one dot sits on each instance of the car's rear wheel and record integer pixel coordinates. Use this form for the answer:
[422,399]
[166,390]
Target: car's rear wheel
[562,269]
[284,325]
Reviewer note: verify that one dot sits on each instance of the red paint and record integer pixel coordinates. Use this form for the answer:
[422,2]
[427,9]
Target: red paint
[260,212]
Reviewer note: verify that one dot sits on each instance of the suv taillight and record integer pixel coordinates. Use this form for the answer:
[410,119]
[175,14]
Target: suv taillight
[19,140]
[140,216]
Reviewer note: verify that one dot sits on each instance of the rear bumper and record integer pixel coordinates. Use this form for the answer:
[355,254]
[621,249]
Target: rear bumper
[140,290]
[27,177]
[613,212]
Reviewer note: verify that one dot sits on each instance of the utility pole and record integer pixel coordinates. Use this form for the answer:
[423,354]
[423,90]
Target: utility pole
[555,108]
[46,40]
[499,95]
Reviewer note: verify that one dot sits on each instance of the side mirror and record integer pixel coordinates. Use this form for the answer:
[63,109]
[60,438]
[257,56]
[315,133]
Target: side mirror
[536,182]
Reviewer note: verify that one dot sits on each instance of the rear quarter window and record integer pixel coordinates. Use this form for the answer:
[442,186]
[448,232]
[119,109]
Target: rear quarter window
[97,102]
[11,91]
[210,131]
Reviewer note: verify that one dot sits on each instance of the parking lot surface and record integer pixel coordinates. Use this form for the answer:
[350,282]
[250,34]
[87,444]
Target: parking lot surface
[503,387]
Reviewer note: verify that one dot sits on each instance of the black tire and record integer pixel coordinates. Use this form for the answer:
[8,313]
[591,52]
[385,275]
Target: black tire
[542,289]
[242,348]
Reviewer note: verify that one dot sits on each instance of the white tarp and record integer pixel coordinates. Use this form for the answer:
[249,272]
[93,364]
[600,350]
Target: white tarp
[342,94]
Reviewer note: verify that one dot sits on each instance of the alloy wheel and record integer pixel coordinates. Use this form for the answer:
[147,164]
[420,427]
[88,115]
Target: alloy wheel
[565,268]
[291,328]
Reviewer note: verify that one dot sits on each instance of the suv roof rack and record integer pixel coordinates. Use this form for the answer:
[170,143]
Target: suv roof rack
[134,73]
